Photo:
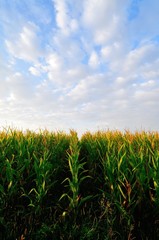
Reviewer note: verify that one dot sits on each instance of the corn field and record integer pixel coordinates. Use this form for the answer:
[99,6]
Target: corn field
[54,185]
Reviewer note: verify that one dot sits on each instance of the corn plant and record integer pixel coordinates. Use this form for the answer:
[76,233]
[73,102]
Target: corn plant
[42,182]
[77,177]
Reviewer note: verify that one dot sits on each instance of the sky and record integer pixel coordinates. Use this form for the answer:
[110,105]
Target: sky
[86,65]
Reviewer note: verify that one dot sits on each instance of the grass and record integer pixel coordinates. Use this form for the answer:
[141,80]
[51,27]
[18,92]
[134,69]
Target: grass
[56,186]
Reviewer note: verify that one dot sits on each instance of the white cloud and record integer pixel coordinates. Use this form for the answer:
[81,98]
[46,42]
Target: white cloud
[106,52]
[55,62]
[54,68]
[150,83]
[34,71]
[138,65]
[19,87]
[140,56]
[26,47]
[147,95]
[64,21]
[4,70]
[75,74]
[61,14]
[94,60]
[89,89]
[104,19]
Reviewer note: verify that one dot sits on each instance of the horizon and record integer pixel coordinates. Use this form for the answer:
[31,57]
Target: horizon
[87,65]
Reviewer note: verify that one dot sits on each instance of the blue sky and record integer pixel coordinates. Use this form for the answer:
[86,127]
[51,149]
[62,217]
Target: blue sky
[81,64]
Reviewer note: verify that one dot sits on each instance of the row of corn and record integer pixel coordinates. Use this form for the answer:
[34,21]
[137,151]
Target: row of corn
[54,185]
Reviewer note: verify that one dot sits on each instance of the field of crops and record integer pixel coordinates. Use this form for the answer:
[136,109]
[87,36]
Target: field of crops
[54,185]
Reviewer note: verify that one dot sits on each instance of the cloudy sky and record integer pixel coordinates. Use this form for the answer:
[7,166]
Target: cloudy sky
[79,64]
